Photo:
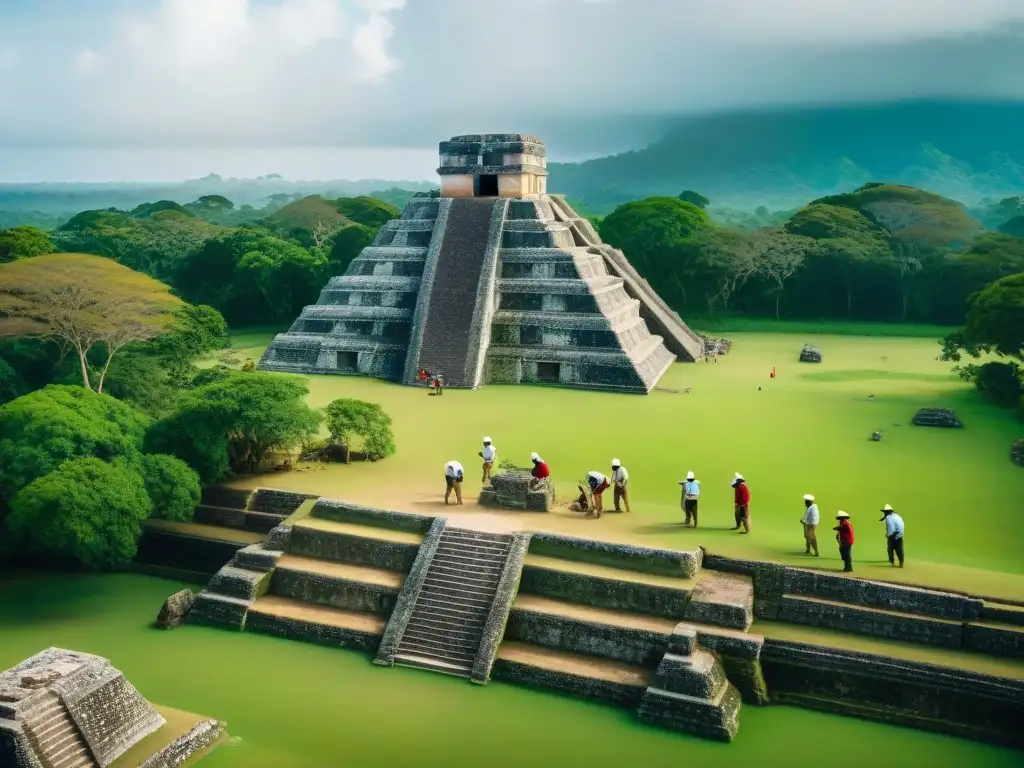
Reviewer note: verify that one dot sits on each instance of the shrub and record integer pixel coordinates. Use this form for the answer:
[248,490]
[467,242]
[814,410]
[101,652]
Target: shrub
[1017,452]
[348,419]
[1001,382]
[86,510]
[172,485]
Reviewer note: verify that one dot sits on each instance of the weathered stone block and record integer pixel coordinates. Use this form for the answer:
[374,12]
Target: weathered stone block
[223,516]
[346,548]
[344,512]
[179,751]
[277,539]
[321,634]
[337,593]
[619,694]
[633,645]
[722,599]
[716,719]
[175,609]
[221,496]
[731,642]
[999,641]
[645,559]
[604,593]
[239,582]
[277,502]
[697,674]
[256,557]
[682,640]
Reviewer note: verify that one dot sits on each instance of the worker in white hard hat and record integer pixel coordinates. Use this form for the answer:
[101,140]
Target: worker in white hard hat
[620,481]
[488,454]
[691,495]
[540,472]
[844,537]
[810,522]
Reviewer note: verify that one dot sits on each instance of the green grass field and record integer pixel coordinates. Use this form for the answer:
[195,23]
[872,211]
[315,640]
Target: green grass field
[296,705]
[807,431]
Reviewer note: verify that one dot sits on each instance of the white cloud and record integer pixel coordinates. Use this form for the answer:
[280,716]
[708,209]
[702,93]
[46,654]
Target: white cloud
[86,63]
[9,57]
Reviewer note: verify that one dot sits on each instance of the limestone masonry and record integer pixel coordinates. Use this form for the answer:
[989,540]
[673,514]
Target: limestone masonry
[493,282]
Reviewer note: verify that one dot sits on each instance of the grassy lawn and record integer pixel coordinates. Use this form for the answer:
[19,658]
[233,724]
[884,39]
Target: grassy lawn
[297,705]
[807,431]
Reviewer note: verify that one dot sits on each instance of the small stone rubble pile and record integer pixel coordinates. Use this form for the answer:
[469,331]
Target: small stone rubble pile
[936,417]
[810,354]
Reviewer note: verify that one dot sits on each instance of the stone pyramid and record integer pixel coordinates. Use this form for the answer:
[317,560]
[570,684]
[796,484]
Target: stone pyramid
[492,281]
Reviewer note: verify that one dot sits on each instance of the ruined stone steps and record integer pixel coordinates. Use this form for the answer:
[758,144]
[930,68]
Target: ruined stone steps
[606,680]
[324,625]
[455,598]
[818,612]
[59,741]
[356,544]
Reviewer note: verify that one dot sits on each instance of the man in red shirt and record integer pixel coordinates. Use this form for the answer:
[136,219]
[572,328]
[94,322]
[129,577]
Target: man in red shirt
[741,503]
[844,535]
[540,470]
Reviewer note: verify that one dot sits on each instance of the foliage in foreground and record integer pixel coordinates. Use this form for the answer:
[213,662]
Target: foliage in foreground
[349,419]
[86,510]
[172,485]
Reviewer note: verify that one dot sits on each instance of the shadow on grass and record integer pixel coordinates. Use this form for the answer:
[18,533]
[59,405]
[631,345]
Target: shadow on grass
[867,374]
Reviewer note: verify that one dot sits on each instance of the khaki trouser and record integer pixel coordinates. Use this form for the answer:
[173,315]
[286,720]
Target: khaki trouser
[622,495]
[811,537]
[487,471]
[743,516]
[450,484]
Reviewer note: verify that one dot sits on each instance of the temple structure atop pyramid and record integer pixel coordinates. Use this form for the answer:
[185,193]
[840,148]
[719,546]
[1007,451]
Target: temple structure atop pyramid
[491,281]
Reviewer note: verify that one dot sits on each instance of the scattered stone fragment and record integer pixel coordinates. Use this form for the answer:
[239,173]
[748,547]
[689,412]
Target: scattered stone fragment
[175,609]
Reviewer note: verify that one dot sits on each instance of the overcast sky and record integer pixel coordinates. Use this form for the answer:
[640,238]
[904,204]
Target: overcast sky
[168,89]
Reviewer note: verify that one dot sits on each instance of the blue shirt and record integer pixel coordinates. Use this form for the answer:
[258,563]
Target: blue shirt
[893,525]
[691,488]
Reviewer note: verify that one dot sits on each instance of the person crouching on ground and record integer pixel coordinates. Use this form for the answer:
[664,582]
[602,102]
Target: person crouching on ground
[741,503]
[844,535]
[453,481]
[893,534]
[598,485]
[488,455]
[620,479]
[810,523]
[691,494]
[438,384]
[540,471]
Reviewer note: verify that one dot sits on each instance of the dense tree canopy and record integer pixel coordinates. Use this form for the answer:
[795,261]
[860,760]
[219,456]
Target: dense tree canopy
[24,242]
[172,485]
[42,429]
[232,423]
[694,198]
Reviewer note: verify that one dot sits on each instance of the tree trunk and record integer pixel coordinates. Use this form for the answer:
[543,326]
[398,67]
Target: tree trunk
[778,297]
[849,300]
[103,373]
[85,370]
[906,300]
[345,453]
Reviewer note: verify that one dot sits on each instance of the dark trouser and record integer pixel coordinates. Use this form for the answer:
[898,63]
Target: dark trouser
[690,508]
[845,552]
[621,497]
[895,548]
[743,516]
[450,484]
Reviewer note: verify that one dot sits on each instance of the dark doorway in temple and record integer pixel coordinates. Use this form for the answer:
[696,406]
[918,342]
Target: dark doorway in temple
[487,185]
[548,372]
[348,361]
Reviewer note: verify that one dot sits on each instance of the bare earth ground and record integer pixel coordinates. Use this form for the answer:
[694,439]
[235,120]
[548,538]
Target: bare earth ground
[805,431]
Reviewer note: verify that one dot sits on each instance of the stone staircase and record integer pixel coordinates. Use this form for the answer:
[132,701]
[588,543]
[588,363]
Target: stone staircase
[447,326]
[447,622]
[56,737]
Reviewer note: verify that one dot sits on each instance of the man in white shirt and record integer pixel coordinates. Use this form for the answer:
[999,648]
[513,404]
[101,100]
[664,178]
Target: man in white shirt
[620,479]
[598,485]
[893,534]
[453,481]
[487,454]
[691,493]
[810,522]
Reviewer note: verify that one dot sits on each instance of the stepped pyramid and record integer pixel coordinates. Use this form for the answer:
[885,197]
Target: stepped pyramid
[493,281]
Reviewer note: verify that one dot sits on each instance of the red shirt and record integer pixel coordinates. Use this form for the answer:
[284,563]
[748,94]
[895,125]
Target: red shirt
[742,495]
[540,470]
[845,533]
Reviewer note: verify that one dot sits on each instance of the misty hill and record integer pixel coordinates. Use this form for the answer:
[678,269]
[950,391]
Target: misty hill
[784,158]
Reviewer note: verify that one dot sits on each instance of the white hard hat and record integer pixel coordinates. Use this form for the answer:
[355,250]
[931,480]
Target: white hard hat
[888,508]
[616,463]
[739,476]
[487,439]
[534,456]
[689,475]
[808,497]
[841,514]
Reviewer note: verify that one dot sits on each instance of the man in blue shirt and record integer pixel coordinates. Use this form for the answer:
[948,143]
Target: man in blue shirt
[691,495]
[893,534]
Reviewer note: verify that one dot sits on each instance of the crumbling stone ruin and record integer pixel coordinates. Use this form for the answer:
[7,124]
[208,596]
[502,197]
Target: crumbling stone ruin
[936,417]
[810,354]
[514,488]
[1017,452]
[493,281]
[64,709]
[716,347]
[175,609]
